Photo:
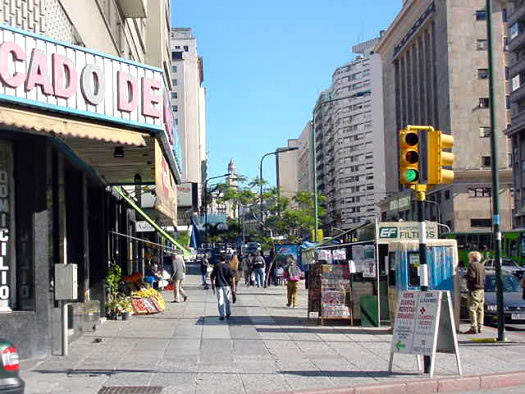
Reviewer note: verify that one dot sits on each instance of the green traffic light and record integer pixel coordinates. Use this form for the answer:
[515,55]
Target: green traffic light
[411,175]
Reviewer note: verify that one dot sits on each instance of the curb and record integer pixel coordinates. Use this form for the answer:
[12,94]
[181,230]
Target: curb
[424,386]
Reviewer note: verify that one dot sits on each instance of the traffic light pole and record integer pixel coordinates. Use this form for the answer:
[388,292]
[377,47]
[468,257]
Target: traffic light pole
[495,179]
[423,268]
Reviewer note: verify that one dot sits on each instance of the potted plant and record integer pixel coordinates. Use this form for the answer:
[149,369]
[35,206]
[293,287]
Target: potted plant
[112,281]
[125,307]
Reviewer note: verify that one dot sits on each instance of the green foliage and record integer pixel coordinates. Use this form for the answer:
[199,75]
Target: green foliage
[183,238]
[112,280]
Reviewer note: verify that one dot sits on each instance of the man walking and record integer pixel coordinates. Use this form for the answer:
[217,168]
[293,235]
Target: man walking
[475,277]
[222,282]
[179,272]
[259,265]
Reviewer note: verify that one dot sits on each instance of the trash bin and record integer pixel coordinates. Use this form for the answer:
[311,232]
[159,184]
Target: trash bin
[368,306]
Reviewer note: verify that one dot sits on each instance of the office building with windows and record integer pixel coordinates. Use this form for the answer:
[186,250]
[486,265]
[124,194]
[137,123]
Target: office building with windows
[435,73]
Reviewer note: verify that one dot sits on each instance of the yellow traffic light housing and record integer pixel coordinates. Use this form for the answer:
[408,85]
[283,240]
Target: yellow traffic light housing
[409,159]
[437,158]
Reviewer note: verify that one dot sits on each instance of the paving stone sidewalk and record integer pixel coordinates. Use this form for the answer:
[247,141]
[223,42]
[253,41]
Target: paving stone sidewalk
[264,347]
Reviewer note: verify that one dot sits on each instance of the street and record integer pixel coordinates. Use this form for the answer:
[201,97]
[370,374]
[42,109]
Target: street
[264,347]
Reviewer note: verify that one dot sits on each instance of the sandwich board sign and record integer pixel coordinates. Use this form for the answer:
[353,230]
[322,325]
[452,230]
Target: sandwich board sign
[424,326]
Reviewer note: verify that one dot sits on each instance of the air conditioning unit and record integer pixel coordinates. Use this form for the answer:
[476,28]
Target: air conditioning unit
[133,8]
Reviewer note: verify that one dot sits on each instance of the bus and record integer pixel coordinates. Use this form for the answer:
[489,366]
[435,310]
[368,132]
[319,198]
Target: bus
[512,244]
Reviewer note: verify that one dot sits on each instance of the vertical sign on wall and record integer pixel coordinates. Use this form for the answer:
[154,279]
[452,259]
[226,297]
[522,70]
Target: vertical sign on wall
[5,217]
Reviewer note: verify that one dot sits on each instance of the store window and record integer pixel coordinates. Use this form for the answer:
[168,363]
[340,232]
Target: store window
[480,222]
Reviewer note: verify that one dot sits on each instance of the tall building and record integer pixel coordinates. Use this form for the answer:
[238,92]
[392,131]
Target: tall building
[517,102]
[287,170]
[304,160]
[188,100]
[78,121]
[348,119]
[435,73]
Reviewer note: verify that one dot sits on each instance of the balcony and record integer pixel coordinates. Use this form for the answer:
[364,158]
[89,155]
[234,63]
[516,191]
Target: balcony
[517,67]
[518,94]
[518,14]
[133,8]
[517,42]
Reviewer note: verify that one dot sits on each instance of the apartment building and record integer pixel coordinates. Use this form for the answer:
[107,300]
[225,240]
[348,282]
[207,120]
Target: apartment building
[348,118]
[304,160]
[516,131]
[188,100]
[434,57]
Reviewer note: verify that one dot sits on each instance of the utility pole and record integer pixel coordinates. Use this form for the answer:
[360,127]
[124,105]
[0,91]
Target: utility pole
[495,178]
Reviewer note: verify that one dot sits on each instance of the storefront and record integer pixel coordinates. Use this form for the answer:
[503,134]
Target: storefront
[73,123]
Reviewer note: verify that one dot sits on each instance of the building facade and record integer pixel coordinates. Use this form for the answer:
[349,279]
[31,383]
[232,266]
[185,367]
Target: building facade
[286,164]
[304,160]
[516,131]
[435,73]
[76,124]
[188,100]
[349,146]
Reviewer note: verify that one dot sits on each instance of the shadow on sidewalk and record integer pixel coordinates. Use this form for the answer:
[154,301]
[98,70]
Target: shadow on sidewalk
[325,330]
[348,374]
[252,321]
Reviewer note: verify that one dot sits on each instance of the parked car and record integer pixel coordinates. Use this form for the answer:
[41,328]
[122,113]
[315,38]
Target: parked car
[10,381]
[252,247]
[514,304]
[508,266]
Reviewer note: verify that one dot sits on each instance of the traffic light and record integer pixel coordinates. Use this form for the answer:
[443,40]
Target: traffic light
[409,157]
[437,158]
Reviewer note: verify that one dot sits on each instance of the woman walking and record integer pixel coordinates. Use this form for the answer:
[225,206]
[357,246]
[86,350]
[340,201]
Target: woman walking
[293,275]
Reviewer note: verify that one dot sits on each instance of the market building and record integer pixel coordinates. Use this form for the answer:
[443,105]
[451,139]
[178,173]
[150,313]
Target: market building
[75,126]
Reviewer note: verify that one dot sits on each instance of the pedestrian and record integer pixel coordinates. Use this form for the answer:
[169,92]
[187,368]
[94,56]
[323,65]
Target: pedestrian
[204,264]
[234,265]
[270,269]
[293,275]
[475,278]
[259,265]
[179,272]
[222,283]
[245,267]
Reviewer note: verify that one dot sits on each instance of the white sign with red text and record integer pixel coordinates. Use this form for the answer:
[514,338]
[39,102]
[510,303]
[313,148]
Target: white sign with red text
[424,325]
[37,71]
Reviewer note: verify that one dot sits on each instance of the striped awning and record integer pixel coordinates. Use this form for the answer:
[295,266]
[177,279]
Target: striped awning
[54,125]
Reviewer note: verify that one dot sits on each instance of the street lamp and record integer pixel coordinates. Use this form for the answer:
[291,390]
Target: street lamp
[206,203]
[276,152]
[314,156]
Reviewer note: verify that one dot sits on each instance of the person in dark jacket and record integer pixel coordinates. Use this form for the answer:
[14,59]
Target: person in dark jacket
[222,282]
[475,278]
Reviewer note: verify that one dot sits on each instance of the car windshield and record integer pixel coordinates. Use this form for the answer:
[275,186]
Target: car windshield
[510,284]
[508,263]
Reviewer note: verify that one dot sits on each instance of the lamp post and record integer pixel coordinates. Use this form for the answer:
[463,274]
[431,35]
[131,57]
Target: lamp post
[314,156]
[206,204]
[275,152]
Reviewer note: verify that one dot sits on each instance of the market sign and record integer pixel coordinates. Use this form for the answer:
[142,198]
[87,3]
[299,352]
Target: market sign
[398,231]
[38,71]
[143,227]
[424,326]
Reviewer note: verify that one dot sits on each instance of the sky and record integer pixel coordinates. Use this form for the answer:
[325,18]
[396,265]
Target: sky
[265,63]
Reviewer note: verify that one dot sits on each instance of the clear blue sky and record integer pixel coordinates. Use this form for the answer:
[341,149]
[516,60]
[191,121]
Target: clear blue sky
[265,62]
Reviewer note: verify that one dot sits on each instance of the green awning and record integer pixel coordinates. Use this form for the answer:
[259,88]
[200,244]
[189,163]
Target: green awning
[159,229]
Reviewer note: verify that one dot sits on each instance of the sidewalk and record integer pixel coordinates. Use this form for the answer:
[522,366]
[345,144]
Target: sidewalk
[264,347]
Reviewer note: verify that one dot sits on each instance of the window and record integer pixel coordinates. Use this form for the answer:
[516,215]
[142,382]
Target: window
[484,132]
[483,73]
[175,108]
[479,192]
[485,161]
[507,74]
[177,121]
[483,102]
[173,95]
[507,101]
[482,45]
[447,194]
[174,82]
[174,69]
[176,55]
[186,48]
[481,15]
[504,15]
[505,43]
[514,30]
[515,83]
[480,223]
